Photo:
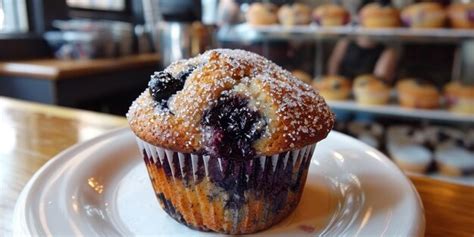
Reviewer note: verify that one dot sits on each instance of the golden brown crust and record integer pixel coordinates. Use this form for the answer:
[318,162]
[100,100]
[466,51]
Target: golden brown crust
[374,15]
[262,14]
[424,15]
[331,15]
[459,90]
[295,114]
[414,95]
[303,76]
[369,89]
[458,15]
[370,82]
[295,14]
[333,87]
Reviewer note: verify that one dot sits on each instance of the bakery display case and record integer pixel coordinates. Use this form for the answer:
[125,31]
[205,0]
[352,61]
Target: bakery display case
[419,110]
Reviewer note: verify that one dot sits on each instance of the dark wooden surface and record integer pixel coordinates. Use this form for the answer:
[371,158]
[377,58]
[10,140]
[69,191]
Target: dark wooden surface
[106,85]
[56,69]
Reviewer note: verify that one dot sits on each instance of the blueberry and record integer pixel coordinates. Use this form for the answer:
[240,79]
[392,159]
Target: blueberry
[336,85]
[163,85]
[470,15]
[317,20]
[183,75]
[233,128]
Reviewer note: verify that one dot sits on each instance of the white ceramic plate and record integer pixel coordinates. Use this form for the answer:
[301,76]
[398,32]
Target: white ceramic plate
[101,188]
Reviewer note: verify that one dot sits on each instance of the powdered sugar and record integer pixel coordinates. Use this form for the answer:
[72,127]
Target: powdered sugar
[296,115]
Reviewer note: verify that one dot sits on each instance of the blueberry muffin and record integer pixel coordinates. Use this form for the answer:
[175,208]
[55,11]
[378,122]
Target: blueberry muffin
[262,14]
[329,15]
[459,97]
[424,15]
[227,138]
[333,87]
[294,14]
[416,93]
[370,90]
[461,15]
[379,15]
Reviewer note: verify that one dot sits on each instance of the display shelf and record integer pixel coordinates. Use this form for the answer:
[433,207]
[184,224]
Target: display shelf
[396,110]
[246,32]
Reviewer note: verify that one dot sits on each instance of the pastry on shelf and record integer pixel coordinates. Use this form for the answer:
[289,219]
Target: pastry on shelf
[303,76]
[453,160]
[424,15]
[370,90]
[331,15]
[461,15]
[377,15]
[333,87]
[413,93]
[294,14]
[403,146]
[459,97]
[262,14]
[410,157]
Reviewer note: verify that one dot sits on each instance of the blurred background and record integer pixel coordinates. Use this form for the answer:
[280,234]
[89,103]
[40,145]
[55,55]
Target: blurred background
[398,74]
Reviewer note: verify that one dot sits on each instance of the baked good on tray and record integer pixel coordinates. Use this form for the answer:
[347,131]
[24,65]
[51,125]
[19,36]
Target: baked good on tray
[294,14]
[331,15]
[227,138]
[453,160]
[262,14]
[378,15]
[424,15]
[414,93]
[405,148]
[333,87]
[303,76]
[410,157]
[370,90]
[459,97]
[461,15]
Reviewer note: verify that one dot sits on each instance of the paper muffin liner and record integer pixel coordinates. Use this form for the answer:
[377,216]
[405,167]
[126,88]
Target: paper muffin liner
[225,195]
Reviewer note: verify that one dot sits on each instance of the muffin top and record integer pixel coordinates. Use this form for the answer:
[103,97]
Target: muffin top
[229,102]
[370,82]
[377,9]
[332,83]
[458,89]
[415,85]
[330,10]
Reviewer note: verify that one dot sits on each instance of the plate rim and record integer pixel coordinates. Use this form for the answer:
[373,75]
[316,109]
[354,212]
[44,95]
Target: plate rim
[20,225]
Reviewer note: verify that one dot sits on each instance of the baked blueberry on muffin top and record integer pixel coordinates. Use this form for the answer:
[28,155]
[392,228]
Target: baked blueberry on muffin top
[227,138]
[182,105]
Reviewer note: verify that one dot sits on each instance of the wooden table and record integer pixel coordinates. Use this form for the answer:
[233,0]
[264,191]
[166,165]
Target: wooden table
[31,134]
[64,82]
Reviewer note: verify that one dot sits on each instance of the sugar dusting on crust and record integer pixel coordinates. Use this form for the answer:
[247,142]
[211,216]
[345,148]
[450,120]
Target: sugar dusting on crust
[295,114]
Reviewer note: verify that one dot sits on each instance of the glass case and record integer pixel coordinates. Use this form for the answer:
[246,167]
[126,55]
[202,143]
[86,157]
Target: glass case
[432,61]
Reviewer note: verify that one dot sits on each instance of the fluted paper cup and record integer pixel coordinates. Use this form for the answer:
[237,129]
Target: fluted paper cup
[225,195]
